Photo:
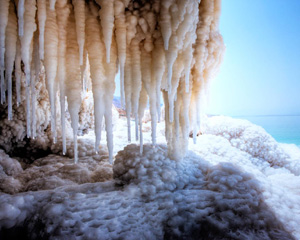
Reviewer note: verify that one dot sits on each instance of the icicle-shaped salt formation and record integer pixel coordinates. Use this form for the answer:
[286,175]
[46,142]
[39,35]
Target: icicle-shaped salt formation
[110,72]
[158,69]
[79,9]
[73,81]
[142,106]
[95,50]
[26,52]
[165,22]
[42,15]
[35,73]
[52,4]
[10,53]
[18,72]
[107,22]
[84,70]
[136,80]
[63,12]
[50,63]
[21,6]
[168,45]
[128,75]
[3,22]
[121,42]
[128,92]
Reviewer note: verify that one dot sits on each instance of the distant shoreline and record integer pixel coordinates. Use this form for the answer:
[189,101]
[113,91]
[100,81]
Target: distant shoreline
[271,115]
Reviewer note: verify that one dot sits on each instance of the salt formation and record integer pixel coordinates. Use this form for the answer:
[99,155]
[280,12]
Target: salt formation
[169,46]
[221,190]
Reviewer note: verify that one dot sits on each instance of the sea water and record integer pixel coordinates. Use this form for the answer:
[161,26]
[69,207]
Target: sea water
[285,129]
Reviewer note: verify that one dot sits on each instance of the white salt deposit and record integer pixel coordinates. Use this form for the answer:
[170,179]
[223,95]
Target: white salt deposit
[168,45]
[221,191]
[238,183]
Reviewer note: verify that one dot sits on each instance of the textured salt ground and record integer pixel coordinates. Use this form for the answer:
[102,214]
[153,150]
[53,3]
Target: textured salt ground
[255,196]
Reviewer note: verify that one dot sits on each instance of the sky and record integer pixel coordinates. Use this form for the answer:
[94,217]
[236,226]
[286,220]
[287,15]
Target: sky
[260,74]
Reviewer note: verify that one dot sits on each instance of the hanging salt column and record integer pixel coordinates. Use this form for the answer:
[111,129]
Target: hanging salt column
[26,52]
[50,63]
[158,69]
[128,79]
[73,81]
[42,15]
[18,72]
[63,11]
[10,53]
[107,23]
[128,92]
[79,9]
[136,80]
[21,9]
[165,22]
[110,72]
[95,47]
[121,42]
[168,44]
[35,73]
[4,10]
[142,106]
[52,4]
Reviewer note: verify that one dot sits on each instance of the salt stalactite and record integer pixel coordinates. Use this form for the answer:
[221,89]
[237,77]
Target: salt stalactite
[52,4]
[206,9]
[107,22]
[158,69]
[18,72]
[110,72]
[21,9]
[42,15]
[128,92]
[208,55]
[4,10]
[136,80]
[35,73]
[26,52]
[128,75]
[50,63]
[172,93]
[142,106]
[79,9]
[73,82]
[168,45]
[10,53]
[149,84]
[120,23]
[84,71]
[63,11]
[165,22]
[95,48]
[171,56]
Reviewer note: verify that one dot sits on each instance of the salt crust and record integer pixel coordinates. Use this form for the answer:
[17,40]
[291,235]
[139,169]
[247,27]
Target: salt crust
[225,189]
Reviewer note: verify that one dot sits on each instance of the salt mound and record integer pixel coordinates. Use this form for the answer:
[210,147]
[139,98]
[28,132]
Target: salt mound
[153,171]
[221,190]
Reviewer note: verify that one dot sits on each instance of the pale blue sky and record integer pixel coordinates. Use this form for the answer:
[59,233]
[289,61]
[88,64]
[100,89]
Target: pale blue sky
[260,74]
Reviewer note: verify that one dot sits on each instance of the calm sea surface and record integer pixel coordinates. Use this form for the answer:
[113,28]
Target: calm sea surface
[285,129]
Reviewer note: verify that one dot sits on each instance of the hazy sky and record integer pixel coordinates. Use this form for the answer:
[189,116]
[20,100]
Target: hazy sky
[261,69]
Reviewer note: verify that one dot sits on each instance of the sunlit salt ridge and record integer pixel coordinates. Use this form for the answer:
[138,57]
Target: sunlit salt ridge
[170,46]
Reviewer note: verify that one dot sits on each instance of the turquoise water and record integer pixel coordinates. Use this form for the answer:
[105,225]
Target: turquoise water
[285,129]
